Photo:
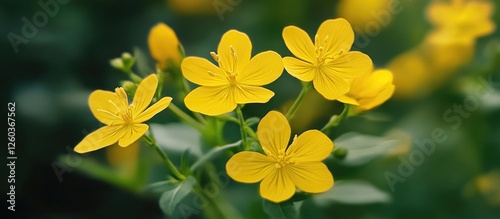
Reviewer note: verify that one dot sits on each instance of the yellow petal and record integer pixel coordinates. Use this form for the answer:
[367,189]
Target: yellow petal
[241,45]
[347,99]
[153,110]
[370,84]
[349,66]
[311,145]
[299,69]
[211,101]
[144,94]
[201,71]
[311,177]
[336,75]
[273,133]
[335,35]
[299,43]
[249,167]
[163,44]
[103,105]
[251,94]
[132,133]
[262,69]
[277,186]
[370,103]
[330,86]
[102,137]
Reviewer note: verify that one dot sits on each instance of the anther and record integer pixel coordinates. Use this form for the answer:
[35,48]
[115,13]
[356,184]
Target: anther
[215,56]
[211,73]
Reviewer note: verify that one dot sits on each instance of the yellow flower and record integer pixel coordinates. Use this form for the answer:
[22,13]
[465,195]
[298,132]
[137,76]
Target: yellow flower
[284,168]
[327,62]
[369,90]
[361,13]
[236,80]
[123,122]
[164,45]
[460,21]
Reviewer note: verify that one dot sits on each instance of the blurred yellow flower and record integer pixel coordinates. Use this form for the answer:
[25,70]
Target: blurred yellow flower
[369,90]
[328,62]
[237,79]
[123,122]
[284,168]
[164,45]
[359,12]
[460,20]
[192,7]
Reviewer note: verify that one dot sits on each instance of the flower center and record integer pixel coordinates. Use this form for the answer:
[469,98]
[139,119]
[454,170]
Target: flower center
[321,53]
[122,109]
[228,68]
[282,158]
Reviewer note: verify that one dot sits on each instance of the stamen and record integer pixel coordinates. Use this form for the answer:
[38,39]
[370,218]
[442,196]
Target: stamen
[215,56]
[114,104]
[235,60]
[211,73]
[341,51]
[107,112]
[326,39]
[316,41]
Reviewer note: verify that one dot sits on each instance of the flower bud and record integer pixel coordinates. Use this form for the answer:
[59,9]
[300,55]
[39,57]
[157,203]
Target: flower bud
[164,45]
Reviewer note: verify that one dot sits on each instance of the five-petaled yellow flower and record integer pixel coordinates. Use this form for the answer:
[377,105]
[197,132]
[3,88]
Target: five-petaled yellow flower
[123,122]
[328,62]
[284,168]
[236,80]
[369,90]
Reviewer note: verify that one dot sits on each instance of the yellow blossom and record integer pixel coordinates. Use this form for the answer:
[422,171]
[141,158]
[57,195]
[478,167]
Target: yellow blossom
[164,45]
[369,90]
[123,122]
[460,21]
[236,80]
[284,168]
[359,13]
[328,62]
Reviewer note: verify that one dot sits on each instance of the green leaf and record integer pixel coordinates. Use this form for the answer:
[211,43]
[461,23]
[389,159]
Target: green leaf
[177,137]
[363,148]
[213,153]
[283,210]
[252,121]
[353,192]
[174,194]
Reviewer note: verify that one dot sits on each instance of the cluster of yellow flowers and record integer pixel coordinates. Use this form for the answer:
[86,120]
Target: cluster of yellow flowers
[446,48]
[327,64]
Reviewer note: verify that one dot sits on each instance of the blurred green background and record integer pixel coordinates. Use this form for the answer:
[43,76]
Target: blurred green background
[53,72]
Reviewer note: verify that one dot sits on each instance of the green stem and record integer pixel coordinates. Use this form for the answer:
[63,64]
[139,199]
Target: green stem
[225,208]
[244,142]
[291,112]
[186,118]
[152,143]
[336,119]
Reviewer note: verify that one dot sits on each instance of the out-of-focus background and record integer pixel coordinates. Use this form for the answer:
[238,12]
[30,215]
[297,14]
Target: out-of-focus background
[445,114]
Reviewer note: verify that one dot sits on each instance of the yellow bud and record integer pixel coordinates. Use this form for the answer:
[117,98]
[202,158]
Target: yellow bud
[164,45]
